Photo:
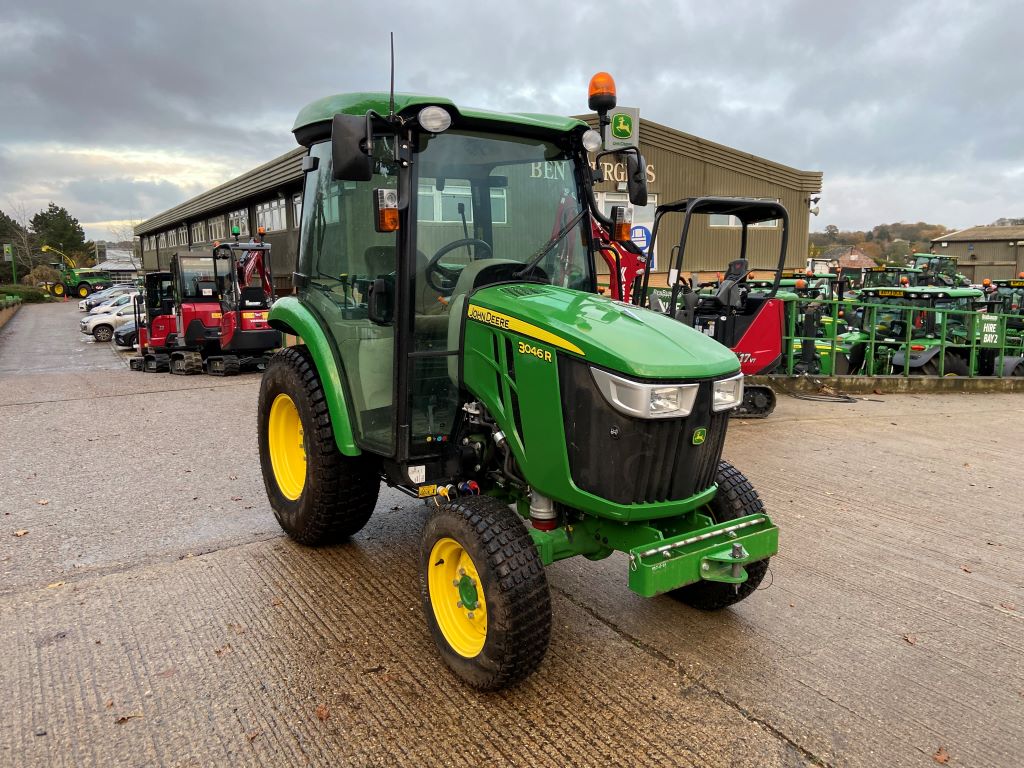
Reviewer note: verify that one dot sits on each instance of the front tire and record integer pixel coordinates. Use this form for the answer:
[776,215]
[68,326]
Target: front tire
[102,333]
[736,498]
[485,593]
[319,495]
[58,289]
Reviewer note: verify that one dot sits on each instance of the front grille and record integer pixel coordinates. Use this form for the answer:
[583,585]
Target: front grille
[636,461]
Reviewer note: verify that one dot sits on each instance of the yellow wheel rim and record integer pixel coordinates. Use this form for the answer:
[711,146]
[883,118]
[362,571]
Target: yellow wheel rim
[58,289]
[457,597]
[287,451]
[83,292]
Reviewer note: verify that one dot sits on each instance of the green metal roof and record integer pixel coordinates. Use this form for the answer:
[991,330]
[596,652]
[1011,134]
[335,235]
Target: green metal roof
[326,108]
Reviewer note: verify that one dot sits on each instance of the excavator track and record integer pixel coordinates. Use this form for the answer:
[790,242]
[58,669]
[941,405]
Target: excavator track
[758,402]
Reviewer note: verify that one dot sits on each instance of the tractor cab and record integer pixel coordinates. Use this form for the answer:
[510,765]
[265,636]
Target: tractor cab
[890,277]
[748,318]
[939,271]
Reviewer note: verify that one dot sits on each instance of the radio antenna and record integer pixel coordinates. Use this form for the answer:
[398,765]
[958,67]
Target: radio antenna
[391,106]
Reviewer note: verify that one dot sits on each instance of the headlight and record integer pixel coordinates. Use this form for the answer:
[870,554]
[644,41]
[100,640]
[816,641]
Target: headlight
[728,393]
[645,401]
[434,119]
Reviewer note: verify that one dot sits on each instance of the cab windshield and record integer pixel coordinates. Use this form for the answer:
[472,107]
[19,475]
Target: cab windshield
[195,278]
[490,197]
[881,279]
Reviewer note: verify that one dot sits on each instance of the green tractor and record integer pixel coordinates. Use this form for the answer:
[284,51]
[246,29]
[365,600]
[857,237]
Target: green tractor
[453,346]
[75,280]
[925,330]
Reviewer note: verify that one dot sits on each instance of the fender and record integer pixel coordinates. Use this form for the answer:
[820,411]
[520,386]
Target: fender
[289,316]
[917,359]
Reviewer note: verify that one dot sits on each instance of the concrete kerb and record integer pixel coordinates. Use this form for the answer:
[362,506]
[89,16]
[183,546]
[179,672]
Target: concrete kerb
[7,314]
[888,385]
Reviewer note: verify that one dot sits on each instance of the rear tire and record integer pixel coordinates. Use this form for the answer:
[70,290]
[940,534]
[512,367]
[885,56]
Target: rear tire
[736,498]
[83,290]
[500,636]
[955,366]
[102,333]
[319,495]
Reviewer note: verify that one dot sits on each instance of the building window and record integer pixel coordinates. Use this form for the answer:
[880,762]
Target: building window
[721,220]
[443,205]
[183,235]
[161,240]
[296,209]
[172,238]
[198,232]
[216,228]
[271,215]
[945,245]
[240,219]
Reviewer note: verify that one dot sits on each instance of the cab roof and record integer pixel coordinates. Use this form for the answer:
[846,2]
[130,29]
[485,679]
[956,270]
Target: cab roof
[923,292]
[323,110]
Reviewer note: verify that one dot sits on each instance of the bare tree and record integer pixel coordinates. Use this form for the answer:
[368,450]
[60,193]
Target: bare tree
[123,233]
[26,248]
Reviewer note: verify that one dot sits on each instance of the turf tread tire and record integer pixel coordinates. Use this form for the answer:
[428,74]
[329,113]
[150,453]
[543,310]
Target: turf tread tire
[515,588]
[340,491]
[736,498]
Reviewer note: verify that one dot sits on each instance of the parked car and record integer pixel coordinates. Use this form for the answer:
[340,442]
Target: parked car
[127,335]
[114,303]
[95,299]
[102,326]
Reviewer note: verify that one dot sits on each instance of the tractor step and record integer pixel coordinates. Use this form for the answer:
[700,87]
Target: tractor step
[715,553]
[186,363]
[155,363]
[228,365]
[758,402]
[137,363]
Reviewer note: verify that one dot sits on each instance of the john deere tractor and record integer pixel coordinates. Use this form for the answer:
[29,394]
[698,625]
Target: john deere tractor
[453,346]
[75,280]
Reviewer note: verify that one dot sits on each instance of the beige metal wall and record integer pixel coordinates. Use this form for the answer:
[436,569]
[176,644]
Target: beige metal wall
[992,259]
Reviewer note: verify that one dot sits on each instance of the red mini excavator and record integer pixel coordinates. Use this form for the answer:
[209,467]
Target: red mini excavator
[178,317]
[243,272]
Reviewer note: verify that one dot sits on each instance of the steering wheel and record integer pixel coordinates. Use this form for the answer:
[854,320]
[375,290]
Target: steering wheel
[449,275]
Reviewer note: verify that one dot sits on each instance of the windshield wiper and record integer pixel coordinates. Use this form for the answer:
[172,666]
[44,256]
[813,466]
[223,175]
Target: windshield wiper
[546,248]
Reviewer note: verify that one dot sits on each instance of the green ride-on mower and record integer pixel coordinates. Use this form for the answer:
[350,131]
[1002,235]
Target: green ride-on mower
[454,346]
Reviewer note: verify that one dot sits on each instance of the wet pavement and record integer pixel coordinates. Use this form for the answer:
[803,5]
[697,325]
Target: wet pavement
[153,613]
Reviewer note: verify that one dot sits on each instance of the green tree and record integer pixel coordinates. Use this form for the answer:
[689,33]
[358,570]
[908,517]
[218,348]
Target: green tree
[58,228]
[832,233]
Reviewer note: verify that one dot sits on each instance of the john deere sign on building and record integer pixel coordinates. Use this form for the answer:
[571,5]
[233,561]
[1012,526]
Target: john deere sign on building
[624,128]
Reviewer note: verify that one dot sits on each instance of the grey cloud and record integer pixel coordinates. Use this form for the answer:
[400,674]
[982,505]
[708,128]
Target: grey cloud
[923,93]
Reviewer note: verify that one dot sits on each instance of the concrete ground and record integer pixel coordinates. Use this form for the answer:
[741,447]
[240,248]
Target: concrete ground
[152,613]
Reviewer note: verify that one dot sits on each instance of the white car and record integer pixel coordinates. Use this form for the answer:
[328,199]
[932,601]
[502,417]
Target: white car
[95,299]
[111,304]
[102,326]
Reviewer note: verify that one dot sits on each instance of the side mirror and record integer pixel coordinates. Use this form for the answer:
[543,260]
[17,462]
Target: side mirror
[379,303]
[350,138]
[636,178]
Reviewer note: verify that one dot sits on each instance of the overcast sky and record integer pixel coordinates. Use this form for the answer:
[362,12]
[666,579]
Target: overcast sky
[913,110]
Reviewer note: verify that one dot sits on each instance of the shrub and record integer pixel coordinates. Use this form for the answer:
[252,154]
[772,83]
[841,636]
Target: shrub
[29,294]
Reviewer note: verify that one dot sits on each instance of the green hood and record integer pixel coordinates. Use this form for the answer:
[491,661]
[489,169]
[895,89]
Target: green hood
[621,337]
